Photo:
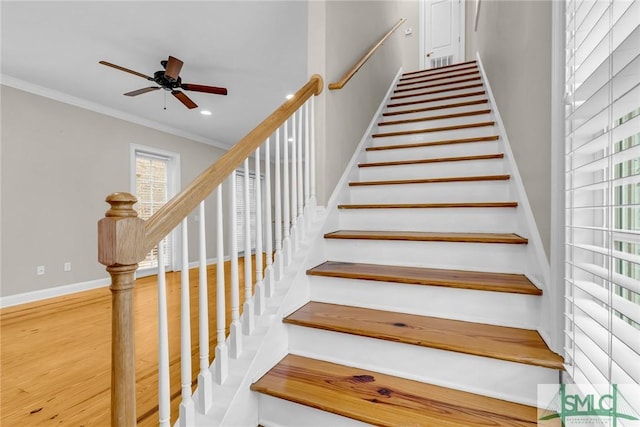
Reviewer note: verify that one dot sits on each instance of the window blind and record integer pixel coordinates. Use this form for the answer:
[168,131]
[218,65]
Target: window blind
[602,171]
[240,208]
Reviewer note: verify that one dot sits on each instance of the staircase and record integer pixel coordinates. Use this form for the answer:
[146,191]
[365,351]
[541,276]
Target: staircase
[428,307]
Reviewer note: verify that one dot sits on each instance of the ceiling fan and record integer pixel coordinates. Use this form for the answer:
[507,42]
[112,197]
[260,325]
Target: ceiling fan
[169,80]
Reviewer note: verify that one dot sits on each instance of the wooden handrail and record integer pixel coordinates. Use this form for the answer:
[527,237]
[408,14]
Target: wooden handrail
[170,215]
[347,76]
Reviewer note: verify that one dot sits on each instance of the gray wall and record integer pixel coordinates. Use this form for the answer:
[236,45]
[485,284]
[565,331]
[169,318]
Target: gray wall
[340,33]
[58,164]
[514,42]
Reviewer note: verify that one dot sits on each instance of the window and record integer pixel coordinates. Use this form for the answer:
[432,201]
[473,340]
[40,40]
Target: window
[602,166]
[153,185]
[240,209]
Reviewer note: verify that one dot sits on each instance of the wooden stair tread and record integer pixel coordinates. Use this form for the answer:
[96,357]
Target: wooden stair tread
[428,236]
[440,98]
[437,107]
[433,180]
[384,400]
[428,86]
[432,92]
[423,74]
[430,205]
[460,279]
[479,339]
[433,160]
[461,73]
[434,143]
[435,70]
[438,129]
[440,117]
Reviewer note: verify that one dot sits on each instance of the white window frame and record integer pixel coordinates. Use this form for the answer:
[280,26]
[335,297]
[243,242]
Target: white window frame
[240,174]
[173,186]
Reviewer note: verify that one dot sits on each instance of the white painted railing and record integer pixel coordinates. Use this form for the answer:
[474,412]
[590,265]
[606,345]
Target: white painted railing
[285,150]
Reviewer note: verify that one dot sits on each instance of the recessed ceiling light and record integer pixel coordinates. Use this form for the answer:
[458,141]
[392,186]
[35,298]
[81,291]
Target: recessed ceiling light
[290,96]
[205,112]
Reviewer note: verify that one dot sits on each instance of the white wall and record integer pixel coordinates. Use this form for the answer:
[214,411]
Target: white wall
[514,42]
[59,162]
[340,33]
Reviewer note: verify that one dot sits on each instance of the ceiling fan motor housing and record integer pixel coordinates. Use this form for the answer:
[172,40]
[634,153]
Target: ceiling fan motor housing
[164,82]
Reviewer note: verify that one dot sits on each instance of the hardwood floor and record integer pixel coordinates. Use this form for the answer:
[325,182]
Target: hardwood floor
[55,354]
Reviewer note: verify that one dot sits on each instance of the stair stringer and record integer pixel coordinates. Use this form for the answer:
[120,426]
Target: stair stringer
[537,268]
[234,403]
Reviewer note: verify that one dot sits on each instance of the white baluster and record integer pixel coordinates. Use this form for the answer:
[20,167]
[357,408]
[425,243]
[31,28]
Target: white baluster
[286,242]
[222,353]
[205,385]
[312,151]
[259,295]
[279,256]
[248,321]
[187,407]
[300,199]
[235,329]
[268,272]
[164,390]
[307,180]
[294,185]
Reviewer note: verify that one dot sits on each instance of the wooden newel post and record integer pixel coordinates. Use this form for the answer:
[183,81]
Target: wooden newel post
[120,247]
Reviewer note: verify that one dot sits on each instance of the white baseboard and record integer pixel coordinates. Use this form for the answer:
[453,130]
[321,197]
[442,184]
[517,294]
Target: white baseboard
[57,291]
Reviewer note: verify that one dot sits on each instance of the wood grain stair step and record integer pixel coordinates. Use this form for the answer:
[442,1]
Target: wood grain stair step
[439,84]
[457,73]
[459,279]
[438,69]
[473,68]
[432,92]
[434,143]
[428,236]
[433,160]
[437,107]
[440,98]
[447,205]
[432,180]
[478,339]
[440,117]
[438,129]
[385,400]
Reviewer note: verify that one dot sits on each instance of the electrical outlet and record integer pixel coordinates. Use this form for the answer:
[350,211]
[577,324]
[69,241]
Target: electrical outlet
[40,270]
[67,266]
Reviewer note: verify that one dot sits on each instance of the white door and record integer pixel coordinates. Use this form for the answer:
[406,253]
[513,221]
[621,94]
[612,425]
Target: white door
[443,30]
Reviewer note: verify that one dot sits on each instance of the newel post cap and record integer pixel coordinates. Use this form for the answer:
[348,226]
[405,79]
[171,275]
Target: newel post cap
[121,233]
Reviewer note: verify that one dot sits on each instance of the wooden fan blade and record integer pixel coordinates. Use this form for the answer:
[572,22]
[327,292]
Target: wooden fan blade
[126,70]
[203,88]
[141,91]
[182,97]
[172,71]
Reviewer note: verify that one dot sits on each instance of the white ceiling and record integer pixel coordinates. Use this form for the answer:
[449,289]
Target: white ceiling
[257,50]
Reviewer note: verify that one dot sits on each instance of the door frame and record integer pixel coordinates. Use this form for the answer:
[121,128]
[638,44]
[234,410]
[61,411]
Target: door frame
[461,31]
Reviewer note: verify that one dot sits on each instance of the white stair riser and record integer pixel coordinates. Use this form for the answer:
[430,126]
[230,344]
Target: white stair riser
[451,83]
[432,170]
[452,110]
[495,308]
[442,80]
[276,412]
[433,151]
[434,136]
[437,93]
[430,103]
[493,220]
[479,191]
[501,379]
[430,73]
[498,257]
[454,121]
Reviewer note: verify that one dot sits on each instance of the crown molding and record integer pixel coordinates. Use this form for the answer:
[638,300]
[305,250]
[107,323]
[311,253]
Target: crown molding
[102,109]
